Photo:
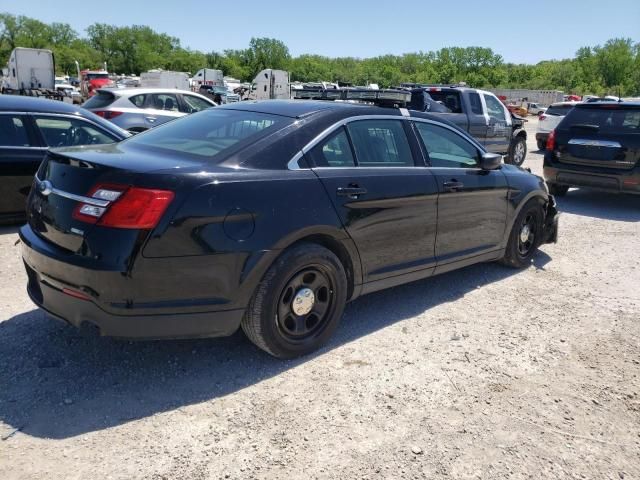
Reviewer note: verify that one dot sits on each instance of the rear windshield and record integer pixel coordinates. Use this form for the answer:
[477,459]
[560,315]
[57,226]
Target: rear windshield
[100,100]
[611,119]
[558,110]
[209,133]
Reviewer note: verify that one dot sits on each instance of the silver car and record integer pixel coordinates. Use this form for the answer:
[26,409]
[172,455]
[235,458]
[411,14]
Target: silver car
[138,109]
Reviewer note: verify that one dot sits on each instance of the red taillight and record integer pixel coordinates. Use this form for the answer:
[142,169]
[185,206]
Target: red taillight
[76,294]
[551,141]
[132,207]
[108,114]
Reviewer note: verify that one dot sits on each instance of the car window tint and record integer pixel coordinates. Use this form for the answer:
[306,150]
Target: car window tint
[333,152]
[380,143]
[446,148]
[476,104]
[495,109]
[194,104]
[450,99]
[67,132]
[605,119]
[13,132]
[139,100]
[100,100]
[208,133]
[558,110]
[164,101]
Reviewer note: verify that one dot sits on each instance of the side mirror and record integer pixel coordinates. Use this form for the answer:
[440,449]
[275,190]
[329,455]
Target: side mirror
[490,161]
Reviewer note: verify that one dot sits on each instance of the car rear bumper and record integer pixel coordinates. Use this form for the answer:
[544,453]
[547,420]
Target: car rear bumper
[625,182]
[80,306]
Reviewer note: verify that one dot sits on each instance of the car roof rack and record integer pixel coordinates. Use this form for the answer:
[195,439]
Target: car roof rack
[386,97]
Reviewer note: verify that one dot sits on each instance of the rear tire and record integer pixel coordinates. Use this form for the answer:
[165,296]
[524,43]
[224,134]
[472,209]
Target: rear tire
[541,145]
[518,151]
[526,235]
[299,302]
[557,190]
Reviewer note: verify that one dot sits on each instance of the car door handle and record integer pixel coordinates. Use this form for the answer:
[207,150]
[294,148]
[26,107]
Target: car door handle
[151,119]
[453,185]
[352,192]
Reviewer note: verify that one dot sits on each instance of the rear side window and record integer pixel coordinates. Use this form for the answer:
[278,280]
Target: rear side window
[559,110]
[380,143]
[100,100]
[139,100]
[608,119]
[209,133]
[476,105]
[333,152]
[451,100]
[13,132]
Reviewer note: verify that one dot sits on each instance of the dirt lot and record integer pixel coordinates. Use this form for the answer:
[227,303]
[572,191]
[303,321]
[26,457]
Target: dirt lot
[484,373]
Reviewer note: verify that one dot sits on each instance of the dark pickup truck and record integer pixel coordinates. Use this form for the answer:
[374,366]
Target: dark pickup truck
[478,112]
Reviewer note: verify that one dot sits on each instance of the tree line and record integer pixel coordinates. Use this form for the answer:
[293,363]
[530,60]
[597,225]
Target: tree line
[612,68]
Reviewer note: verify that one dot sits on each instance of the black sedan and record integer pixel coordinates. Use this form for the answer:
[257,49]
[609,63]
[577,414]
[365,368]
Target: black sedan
[269,216]
[28,127]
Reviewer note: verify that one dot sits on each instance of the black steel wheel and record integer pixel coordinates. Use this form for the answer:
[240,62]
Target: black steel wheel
[557,190]
[526,235]
[305,304]
[299,303]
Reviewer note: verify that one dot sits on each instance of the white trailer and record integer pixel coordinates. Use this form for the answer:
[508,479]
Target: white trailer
[164,79]
[30,69]
[208,76]
[271,85]
[543,97]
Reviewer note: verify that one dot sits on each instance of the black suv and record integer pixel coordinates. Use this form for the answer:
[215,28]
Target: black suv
[596,145]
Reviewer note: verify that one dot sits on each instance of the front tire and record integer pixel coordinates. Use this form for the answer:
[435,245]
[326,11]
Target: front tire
[299,303]
[526,235]
[518,151]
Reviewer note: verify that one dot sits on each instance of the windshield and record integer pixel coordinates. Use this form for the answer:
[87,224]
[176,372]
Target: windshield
[96,76]
[209,133]
[559,110]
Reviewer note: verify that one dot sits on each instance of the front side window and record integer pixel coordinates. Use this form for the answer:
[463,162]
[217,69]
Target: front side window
[333,152]
[380,143]
[194,104]
[446,148]
[165,101]
[208,133]
[68,132]
[13,132]
[495,108]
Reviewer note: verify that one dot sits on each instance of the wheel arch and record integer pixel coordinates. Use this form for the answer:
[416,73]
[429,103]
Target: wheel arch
[540,195]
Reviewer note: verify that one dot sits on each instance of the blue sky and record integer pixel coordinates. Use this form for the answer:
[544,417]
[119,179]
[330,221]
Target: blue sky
[519,30]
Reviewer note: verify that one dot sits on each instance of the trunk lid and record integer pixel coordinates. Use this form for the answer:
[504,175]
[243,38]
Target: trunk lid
[66,177]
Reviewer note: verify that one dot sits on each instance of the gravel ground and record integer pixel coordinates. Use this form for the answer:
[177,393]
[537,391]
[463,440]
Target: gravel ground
[484,373]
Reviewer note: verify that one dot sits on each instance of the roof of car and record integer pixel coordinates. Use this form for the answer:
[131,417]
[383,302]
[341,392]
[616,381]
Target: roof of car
[123,92]
[304,108]
[564,104]
[609,104]
[18,103]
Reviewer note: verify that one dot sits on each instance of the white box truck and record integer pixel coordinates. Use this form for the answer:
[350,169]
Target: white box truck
[208,76]
[31,71]
[271,84]
[30,68]
[164,79]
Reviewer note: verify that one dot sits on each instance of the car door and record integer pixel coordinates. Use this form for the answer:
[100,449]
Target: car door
[478,122]
[386,202]
[472,205]
[20,156]
[161,108]
[498,135]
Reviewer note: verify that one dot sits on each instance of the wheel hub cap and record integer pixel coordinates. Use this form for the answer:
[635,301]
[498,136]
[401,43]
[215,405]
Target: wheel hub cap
[524,233]
[303,301]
